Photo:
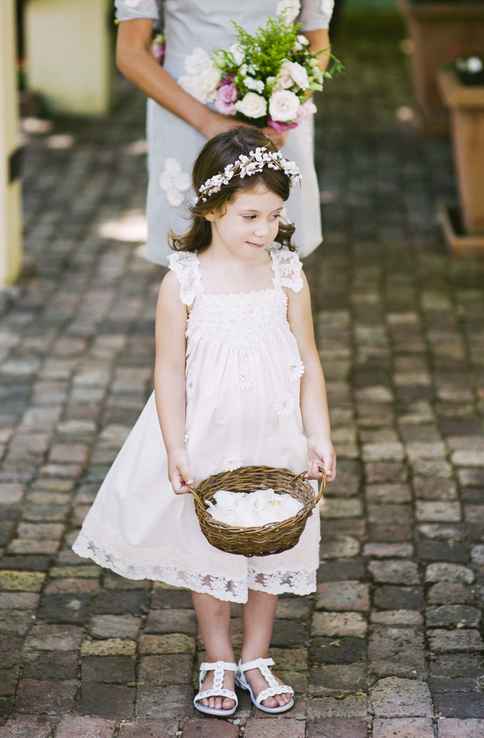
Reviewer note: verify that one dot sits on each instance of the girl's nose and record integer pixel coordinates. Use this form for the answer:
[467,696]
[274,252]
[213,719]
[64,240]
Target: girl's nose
[261,230]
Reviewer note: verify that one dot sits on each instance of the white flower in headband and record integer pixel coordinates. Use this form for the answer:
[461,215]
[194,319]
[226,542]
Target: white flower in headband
[246,166]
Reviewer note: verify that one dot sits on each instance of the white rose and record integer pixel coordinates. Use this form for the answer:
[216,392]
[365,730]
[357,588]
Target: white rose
[298,74]
[283,106]
[289,9]
[302,40]
[252,105]
[237,52]
[197,62]
[284,78]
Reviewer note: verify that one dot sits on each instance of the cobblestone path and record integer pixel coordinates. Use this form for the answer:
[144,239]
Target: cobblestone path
[391,644]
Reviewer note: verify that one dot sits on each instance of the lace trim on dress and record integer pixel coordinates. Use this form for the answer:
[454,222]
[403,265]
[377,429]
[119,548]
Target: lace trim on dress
[276,582]
[223,588]
[185,266]
[287,269]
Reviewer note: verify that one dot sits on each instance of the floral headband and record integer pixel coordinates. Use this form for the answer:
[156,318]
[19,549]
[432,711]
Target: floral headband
[246,166]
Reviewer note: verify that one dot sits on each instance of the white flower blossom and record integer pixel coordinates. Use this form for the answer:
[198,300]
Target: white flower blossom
[254,84]
[302,40]
[174,182]
[289,9]
[238,53]
[252,105]
[290,73]
[283,106]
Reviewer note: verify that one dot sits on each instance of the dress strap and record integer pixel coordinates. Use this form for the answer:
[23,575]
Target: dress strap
[286,268]
[186,266]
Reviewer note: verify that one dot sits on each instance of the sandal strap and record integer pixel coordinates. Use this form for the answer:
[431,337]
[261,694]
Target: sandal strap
[272,692]
[218,667]
[256,664]
[213,692]
[273,686]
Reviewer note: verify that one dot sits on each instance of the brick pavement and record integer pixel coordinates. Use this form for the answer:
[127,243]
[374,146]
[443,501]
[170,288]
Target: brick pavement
[391,645]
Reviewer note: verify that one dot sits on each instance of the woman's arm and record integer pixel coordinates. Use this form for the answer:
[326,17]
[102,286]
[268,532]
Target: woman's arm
[319,41]
[136,62]
[169,378]
[314,401]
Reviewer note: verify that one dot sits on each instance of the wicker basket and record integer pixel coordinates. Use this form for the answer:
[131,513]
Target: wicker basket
[263,540]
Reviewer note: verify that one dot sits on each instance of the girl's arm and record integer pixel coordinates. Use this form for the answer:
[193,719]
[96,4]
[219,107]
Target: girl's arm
[169,379]
[314,401]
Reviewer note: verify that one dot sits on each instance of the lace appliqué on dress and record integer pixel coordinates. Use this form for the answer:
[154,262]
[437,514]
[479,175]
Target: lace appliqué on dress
[223,588]
[174,182]
[185,266]
[287,269]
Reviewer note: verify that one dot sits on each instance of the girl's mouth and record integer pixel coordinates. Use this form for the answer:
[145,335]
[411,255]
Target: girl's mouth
[255,245]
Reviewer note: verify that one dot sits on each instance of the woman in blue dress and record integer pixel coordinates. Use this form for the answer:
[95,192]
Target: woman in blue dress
[179,122]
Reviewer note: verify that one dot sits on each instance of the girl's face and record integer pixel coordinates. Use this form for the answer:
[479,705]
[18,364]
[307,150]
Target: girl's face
[249,223]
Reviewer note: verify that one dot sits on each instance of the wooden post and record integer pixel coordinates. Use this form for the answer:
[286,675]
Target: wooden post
[69,54]
[10,151]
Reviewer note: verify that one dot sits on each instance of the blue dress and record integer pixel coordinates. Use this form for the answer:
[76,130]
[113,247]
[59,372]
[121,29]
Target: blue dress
[173,145]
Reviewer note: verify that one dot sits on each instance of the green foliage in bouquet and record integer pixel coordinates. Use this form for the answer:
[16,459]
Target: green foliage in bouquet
[265,52]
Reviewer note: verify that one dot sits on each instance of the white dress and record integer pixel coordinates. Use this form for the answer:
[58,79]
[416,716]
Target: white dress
[243,372]
[173,144]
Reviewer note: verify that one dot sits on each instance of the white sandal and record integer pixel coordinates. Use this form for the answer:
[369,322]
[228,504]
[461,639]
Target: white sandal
[274,687]
[217,690]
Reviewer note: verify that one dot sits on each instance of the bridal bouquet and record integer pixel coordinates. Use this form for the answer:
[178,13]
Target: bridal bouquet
[266,78]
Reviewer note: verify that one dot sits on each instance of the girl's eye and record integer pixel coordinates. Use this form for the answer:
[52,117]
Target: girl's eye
[251,217]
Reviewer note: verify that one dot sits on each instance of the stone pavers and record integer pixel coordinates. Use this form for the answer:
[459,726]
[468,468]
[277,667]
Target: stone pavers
[390,646]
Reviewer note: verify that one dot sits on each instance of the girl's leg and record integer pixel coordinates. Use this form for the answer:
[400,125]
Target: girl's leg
[214,626]
[259,613]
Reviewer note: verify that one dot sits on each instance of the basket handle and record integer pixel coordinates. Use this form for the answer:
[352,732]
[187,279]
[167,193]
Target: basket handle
[322,487]
[192,491]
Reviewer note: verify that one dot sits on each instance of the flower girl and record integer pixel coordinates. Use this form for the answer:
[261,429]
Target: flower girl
[238,382]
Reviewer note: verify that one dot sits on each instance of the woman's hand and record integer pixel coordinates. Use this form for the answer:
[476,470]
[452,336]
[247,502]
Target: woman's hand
[179,471]
[278,139]
[321,458]
[217,123]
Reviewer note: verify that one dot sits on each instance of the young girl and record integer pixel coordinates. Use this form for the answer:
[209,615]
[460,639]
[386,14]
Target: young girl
[238,382]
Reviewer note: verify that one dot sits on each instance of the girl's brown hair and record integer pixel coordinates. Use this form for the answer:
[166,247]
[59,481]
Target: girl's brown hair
[219,151]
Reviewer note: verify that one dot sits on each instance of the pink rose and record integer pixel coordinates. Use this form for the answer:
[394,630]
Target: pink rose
[226,97]
[279,126]
[306,110]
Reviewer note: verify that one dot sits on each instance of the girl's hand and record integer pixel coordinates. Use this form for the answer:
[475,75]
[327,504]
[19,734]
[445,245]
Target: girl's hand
[321,457]
[179,472]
